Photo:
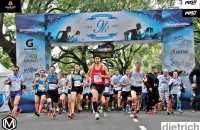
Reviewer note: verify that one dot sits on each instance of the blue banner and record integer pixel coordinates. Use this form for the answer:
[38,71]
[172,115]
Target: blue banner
[178,47]
[30,53]
[82,28]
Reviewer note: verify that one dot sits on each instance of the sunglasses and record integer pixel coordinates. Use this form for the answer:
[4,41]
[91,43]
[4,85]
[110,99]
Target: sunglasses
[72,70]
[15,70]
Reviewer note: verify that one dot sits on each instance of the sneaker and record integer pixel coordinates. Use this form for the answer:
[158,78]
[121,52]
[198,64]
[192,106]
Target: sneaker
[54,116]
[13,115]
[138,111]
[86,107]
[123,111]
[154,111]
[97,116]
[168,113]
[172,112]
[57,109]
[105,114]
[135,115]
[72,116]
[69,115]
[37,114]
[112,108]
[109,110]
[101,110]
[19,111]
[148,112]
[60,110]
[194,111]
[180,111]
[50,113]
[64,110]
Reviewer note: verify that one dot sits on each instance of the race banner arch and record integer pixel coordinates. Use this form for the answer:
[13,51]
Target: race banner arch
[37,33]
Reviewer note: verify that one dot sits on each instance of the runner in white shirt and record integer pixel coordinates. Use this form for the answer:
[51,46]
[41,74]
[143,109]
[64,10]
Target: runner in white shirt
[68,81]
[117,89]
[15,81]
[126,90]
[64,93]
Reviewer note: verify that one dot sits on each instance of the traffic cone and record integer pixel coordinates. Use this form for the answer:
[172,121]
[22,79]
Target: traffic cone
[170,105]
[22,91]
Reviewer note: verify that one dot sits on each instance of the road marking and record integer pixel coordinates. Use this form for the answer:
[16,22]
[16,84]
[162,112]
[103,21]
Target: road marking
[30,115]
[131,115]
[135,120]
[142,128]
[129,112]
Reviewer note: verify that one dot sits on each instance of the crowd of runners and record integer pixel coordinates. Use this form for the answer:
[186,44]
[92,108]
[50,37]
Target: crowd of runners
[99,92]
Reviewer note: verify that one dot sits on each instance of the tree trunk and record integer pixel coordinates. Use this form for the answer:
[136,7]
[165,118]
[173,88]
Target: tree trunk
[7,46]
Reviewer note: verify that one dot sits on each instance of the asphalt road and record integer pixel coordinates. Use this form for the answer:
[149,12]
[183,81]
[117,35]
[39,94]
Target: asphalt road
[115,121]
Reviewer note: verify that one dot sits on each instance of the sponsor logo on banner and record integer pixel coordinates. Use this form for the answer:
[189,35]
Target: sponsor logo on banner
[190,4]
[191,8]
[10,6]
[174,52]
[29,45]
[101,31]
[33,58]
[9,123]
[191,13]
[31,70]
[177,38]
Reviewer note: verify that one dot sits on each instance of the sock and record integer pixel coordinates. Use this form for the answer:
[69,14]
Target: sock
[50,106]
[54,110]
[95,106]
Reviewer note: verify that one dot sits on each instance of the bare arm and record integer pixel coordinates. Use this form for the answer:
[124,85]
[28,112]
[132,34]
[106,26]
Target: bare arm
[145,77]
[59,82]
[88,73]
[107,76]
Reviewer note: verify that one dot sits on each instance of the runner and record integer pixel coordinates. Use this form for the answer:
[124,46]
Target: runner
[16,82]
[64,93]
[98,73]
[106,98]
[126,91]
[38,87]
[60,106]
[175,84]
[68,80]
[137,77]
[86,96]
[54,83]
[117,89]
[153,95]
[77,84]
[164,88]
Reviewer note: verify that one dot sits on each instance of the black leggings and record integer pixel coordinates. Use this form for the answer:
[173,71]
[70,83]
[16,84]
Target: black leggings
[152,100]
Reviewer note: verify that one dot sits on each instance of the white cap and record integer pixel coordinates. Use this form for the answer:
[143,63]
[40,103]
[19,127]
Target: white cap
[165,70]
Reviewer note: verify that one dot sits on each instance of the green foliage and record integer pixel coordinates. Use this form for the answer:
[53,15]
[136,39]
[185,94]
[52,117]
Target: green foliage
[5,59]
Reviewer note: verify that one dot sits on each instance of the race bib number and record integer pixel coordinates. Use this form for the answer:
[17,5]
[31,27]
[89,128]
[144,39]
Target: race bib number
[107,90]
[176,88]
[77,83]
[128,87]
[40,86]
[52,86]
[97,78]
[16,84]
